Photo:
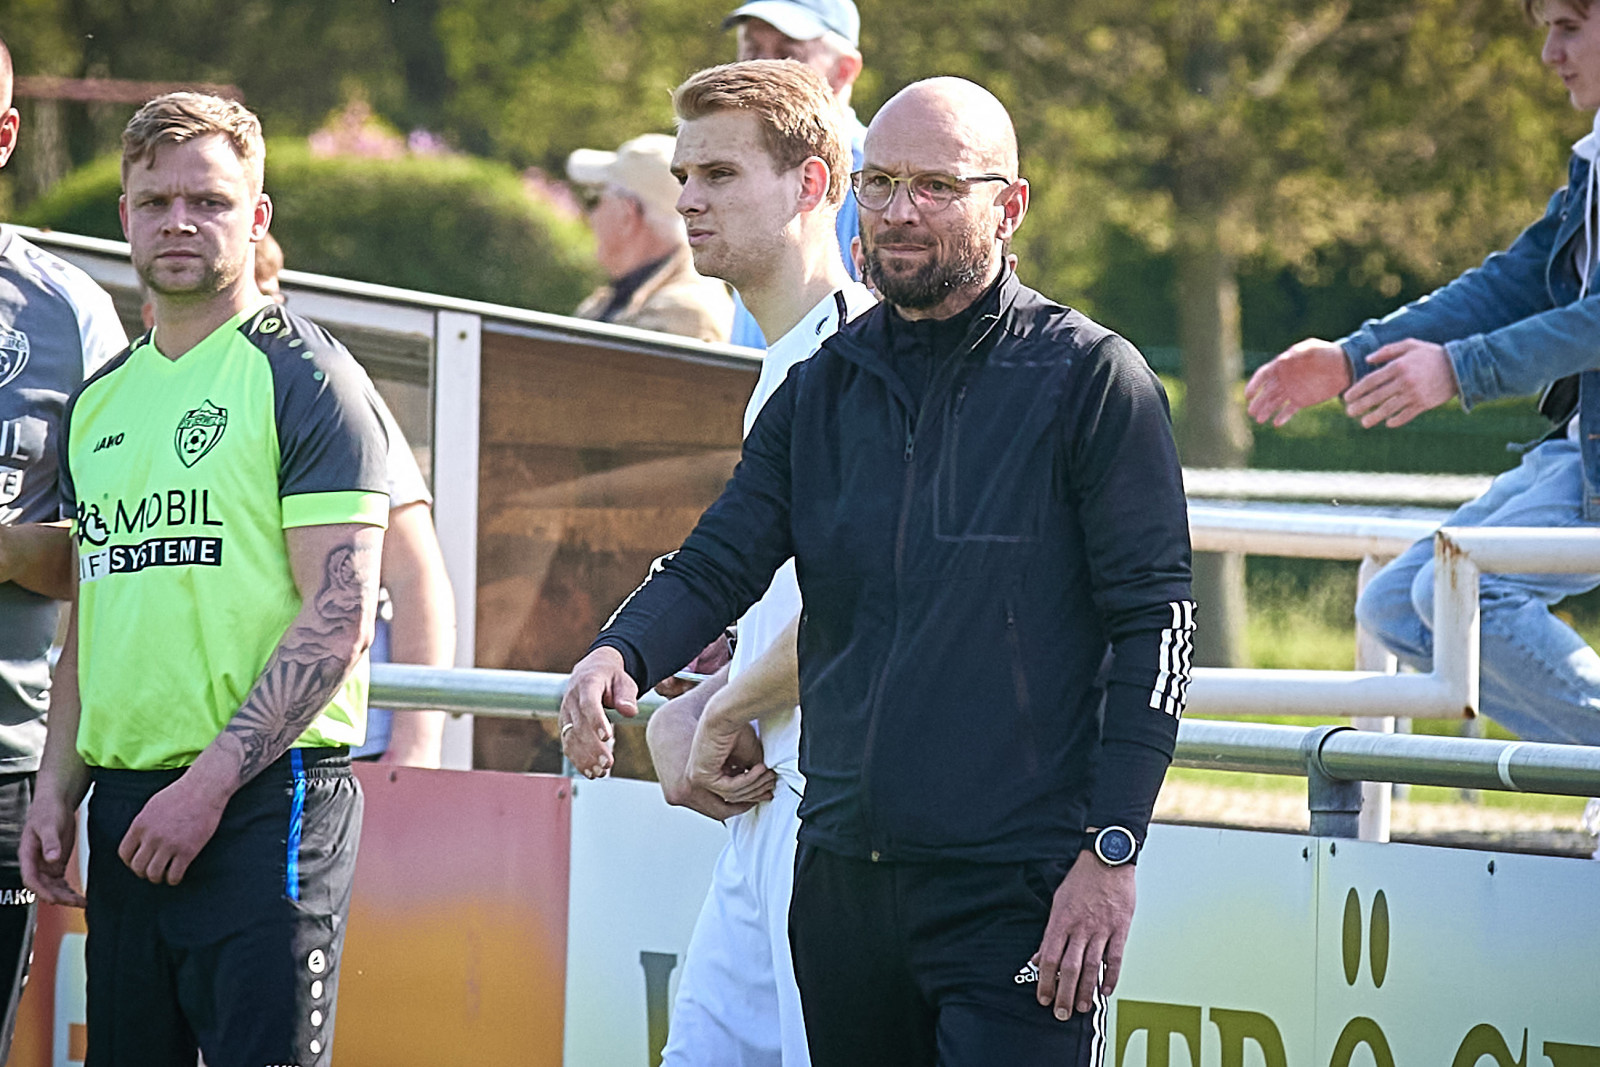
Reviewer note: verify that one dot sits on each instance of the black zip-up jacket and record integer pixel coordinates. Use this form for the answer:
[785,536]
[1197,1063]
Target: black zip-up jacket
[994,648]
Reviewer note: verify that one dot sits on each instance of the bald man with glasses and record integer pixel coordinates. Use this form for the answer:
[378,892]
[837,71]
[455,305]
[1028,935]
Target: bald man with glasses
[980,492]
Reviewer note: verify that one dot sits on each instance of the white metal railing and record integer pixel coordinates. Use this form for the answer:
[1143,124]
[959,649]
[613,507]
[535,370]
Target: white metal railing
[1460,555]
[1348,775]
[1449,691]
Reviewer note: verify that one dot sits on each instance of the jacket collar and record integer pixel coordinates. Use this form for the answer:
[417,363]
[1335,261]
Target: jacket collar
[1572,219]
[866,340]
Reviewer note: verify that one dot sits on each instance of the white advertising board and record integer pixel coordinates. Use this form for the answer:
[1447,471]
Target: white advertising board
[1268,950]
[639,872]
[1248,950]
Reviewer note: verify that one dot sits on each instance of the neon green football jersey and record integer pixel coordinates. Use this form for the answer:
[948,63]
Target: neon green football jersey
[181,477]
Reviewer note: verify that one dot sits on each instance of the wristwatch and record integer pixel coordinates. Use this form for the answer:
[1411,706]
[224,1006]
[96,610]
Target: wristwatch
[1115,845]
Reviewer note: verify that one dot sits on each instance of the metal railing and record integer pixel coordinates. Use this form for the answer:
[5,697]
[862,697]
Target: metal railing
[1449,691]
[1335,760]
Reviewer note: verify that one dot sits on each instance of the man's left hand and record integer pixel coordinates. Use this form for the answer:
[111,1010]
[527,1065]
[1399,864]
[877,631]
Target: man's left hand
[170,831]
[1413,377]
[1088,930]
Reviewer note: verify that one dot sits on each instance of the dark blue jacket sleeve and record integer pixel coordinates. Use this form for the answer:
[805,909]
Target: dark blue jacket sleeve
[1129,485]
[724,566]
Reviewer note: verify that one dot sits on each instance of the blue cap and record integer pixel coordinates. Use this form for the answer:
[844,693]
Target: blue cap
[804,20]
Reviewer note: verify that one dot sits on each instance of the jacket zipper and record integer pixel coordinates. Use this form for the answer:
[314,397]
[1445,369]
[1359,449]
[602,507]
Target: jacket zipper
[874,845]
[906,490]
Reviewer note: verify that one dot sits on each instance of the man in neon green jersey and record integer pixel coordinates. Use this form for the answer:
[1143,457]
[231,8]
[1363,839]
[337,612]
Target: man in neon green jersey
[225,477]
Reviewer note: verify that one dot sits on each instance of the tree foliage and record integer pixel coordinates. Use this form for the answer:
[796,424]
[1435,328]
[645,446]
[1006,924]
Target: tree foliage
[451,225]
[1383,143]
[536,79]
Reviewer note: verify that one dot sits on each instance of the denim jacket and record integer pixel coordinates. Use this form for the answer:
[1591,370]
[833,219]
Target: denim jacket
[1515,325]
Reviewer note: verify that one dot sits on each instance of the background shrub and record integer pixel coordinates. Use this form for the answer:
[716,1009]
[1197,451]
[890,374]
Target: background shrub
[453,225]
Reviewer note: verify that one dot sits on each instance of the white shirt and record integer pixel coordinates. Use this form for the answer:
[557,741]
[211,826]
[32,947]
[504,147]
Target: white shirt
[769,616]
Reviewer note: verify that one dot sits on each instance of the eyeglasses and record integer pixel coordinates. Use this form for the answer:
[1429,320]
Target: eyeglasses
[929,190]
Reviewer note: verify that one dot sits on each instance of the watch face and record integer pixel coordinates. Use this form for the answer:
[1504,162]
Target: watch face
[1114,845]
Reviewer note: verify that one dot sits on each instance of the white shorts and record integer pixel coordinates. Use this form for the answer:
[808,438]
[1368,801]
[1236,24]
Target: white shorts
[737,1003]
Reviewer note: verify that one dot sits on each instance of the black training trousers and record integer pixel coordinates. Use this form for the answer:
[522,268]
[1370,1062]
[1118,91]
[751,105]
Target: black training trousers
[240,960]
[925,964]
[17,907]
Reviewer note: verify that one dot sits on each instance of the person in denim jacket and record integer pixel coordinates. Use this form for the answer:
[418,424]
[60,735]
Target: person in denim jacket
[1527,320]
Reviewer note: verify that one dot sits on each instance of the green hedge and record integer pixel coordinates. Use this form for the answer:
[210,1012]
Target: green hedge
[1441,441]
[452,225]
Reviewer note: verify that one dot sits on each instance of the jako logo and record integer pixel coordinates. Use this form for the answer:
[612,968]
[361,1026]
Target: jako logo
[109,442]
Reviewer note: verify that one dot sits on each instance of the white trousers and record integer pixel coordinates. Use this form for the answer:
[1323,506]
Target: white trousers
[737,1003]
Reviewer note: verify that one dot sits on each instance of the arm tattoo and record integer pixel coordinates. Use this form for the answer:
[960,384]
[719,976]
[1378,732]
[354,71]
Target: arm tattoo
[307,668]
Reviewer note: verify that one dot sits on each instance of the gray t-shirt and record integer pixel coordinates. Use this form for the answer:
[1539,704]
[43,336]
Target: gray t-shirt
[56,327]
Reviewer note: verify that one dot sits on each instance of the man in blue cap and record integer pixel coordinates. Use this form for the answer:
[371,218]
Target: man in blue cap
[825,35]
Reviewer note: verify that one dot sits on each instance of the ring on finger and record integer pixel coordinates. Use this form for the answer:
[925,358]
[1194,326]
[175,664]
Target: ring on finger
[566,728]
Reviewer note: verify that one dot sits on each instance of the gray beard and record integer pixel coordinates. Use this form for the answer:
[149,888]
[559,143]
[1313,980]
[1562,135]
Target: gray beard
[930,284]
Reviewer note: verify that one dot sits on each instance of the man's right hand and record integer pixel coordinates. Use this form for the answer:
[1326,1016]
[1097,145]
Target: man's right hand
[671,736]
[1298,377]
[46,849]
[598,682]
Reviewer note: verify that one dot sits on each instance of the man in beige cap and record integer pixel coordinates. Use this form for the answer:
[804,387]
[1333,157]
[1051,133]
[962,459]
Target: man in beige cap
[640,243]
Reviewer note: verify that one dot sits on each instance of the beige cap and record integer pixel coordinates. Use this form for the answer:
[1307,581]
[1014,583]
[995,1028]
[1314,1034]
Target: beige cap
[642,167]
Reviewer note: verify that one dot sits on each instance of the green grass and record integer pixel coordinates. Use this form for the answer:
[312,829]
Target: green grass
[1424,794]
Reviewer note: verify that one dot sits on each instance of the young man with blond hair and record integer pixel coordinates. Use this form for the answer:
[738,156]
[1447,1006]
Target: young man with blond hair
[825,35]
[763,165]
[225,477]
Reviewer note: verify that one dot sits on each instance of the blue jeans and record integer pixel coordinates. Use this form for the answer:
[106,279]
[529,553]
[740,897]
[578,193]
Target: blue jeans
[1537,677]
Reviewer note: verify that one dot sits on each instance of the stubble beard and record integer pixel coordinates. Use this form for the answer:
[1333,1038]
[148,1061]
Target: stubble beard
[214,278]
[743,265]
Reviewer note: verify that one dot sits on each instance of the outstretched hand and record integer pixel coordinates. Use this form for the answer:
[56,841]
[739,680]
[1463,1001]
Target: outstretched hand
[1299,377]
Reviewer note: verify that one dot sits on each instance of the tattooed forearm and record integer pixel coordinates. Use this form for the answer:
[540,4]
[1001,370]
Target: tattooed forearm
[339,599]
[310,663]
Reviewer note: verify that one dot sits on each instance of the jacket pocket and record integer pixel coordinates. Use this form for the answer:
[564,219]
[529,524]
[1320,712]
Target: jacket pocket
[993,481]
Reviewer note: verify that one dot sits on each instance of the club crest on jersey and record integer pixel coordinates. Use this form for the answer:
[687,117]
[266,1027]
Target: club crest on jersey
[199,431]
[13,354]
